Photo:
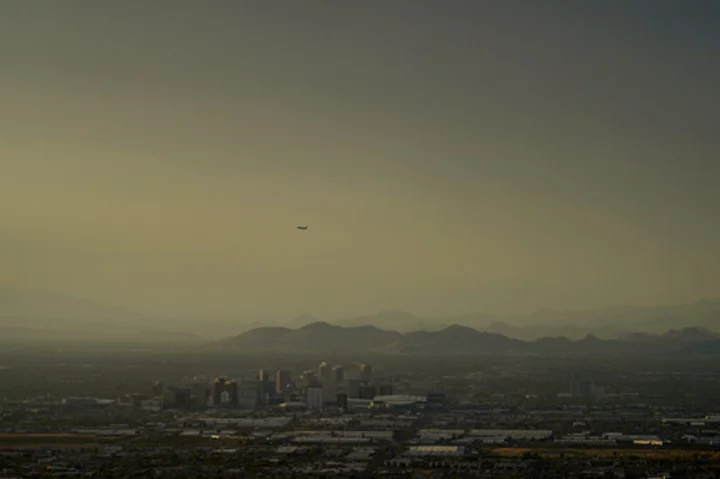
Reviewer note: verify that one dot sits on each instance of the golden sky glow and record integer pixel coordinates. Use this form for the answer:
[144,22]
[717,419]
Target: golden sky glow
[448,157]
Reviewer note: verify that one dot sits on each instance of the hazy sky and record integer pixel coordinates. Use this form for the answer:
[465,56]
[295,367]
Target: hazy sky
[448,156]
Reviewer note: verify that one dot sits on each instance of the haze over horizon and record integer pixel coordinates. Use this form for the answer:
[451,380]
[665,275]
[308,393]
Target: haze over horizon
[496,157]
[57,305]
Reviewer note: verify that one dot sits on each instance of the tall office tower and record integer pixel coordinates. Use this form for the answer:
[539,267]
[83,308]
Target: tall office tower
[353,388]
[315,398]
[218,388]
[263,375]
[310,377]
[338,374]
[224,393]
[385,389]
[366,372]
[250,394]
[176,398]
[368,392]
[158,389]
[200,394]
[330,390]
[282,380]
[324,371]
[342,401]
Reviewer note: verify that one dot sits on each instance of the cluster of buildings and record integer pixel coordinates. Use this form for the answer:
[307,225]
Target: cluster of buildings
[340,420]
[329,388]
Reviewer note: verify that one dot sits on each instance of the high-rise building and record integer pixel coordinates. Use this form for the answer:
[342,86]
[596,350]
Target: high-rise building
[263,375]
[158,389]
[342,401]
[218,388]
[367,391]
[338,374]
[200,394]
[267,392]
[324,371]
[282,380]
[176,398]
[224,393]
[330,390]
[366,372]
[250,394]
[315,398]
[353,388]
[385,389]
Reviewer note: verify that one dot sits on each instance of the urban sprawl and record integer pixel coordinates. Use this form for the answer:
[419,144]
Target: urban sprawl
[424,417]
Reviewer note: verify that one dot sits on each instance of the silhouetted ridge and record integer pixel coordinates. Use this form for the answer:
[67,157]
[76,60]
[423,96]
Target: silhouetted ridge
[390,320]
[314,337]
[302,320]
[455,339]
[457,330]
[259,338]
[318,325]
[591,338]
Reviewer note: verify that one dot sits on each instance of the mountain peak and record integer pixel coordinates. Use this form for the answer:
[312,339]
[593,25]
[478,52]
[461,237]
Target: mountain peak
[591,338]
[318,325]
[394,320]
[454,339]
[303,320]
[458,330]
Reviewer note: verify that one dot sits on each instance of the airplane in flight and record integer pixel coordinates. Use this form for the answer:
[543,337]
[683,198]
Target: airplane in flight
[302,227]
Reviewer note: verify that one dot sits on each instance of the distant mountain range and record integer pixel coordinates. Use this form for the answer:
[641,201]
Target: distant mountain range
[312,337]
[605,323]
[27,315]
[457,339]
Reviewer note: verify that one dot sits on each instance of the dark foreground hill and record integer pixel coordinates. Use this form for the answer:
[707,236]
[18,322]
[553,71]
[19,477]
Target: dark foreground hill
[313,337]
[455,339]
